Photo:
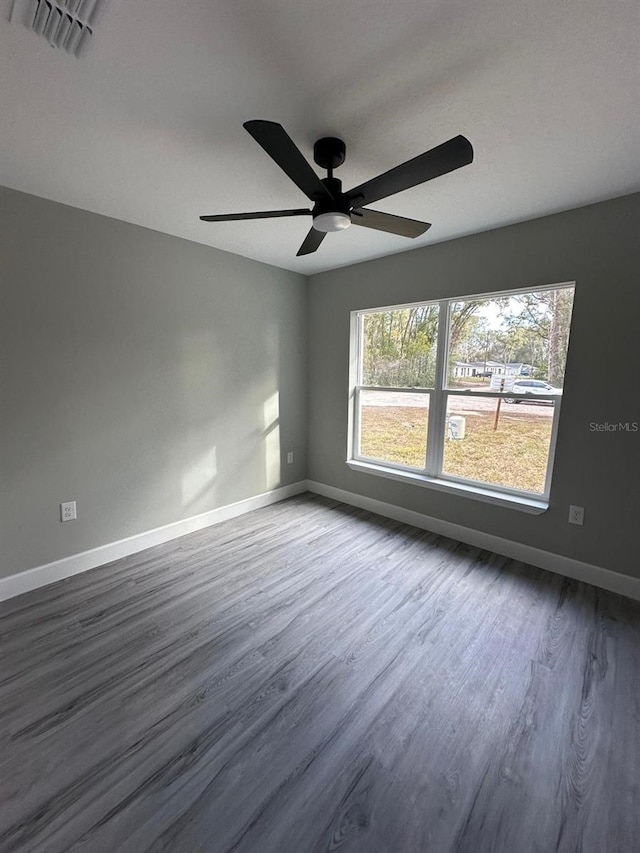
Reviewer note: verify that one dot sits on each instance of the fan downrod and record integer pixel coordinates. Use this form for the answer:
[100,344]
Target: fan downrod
[329,153]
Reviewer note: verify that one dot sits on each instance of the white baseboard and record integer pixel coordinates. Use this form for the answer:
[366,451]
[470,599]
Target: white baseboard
[76,563]
[567,566]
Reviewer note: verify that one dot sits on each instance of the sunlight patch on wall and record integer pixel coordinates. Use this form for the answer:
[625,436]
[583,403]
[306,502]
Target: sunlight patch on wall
[271,411]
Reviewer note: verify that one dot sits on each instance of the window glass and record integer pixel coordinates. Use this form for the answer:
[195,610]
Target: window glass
[511,347]
[492,442]
[399,347]
[522,337]
[393,427]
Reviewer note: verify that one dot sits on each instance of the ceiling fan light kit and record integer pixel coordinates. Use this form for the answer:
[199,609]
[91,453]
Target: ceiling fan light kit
[331,222]
[334,210]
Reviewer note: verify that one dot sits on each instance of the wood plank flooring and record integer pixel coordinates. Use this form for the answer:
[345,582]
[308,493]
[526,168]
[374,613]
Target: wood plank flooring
[310,678]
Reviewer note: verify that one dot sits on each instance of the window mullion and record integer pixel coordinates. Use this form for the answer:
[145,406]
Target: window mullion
[437,402]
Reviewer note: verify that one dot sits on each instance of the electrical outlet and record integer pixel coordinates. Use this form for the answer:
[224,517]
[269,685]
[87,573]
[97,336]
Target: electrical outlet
[68,511]
[576,515]
[290,457]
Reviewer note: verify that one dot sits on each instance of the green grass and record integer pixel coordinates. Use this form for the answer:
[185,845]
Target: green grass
[514,456]
[394,434]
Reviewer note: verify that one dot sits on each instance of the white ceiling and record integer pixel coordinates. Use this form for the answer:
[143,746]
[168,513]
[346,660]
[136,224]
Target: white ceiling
[147,126]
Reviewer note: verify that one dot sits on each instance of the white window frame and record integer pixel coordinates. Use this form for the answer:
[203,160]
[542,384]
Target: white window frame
[431,474]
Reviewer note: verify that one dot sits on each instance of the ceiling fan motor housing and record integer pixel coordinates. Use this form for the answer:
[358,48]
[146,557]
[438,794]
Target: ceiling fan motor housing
[332,214]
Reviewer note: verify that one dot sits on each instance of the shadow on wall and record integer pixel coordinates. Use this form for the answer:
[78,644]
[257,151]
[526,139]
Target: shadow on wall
[199,481]
[231,437]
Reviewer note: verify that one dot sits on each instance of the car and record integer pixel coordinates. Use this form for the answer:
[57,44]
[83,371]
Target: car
[532,386]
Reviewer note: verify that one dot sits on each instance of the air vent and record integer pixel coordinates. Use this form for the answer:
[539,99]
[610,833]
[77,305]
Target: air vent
[65,24]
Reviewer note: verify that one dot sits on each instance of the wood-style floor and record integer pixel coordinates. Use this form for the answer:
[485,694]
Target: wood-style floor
[311,678]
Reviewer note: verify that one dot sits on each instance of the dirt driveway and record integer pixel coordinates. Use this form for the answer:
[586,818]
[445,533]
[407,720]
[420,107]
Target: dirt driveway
[461,405]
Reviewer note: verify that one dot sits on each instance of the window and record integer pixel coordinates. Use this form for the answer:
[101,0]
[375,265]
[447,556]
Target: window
[463,393]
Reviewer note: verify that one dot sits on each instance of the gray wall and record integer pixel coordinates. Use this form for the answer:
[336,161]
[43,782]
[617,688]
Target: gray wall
[598,247]
[147,377]
[151,379]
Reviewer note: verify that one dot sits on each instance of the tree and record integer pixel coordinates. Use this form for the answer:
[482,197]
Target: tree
[399,346]
[561,306]
[545,317]
[460,322]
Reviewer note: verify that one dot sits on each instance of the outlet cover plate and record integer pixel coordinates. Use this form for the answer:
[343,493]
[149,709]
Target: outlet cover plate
[68,511]
[576,515]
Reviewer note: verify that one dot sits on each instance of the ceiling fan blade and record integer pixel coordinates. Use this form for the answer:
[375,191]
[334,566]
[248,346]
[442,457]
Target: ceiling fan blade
[389,222]
[311,242]
[261,214]
[438,161]
[280,147]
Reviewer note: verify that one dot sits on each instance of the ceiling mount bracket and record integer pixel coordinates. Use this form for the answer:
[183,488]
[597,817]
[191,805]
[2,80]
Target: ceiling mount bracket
[329,152]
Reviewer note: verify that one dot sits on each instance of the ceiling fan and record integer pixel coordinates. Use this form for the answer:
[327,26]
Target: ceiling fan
[334,210]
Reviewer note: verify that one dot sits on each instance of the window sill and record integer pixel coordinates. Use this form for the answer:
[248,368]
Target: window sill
[533,506]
